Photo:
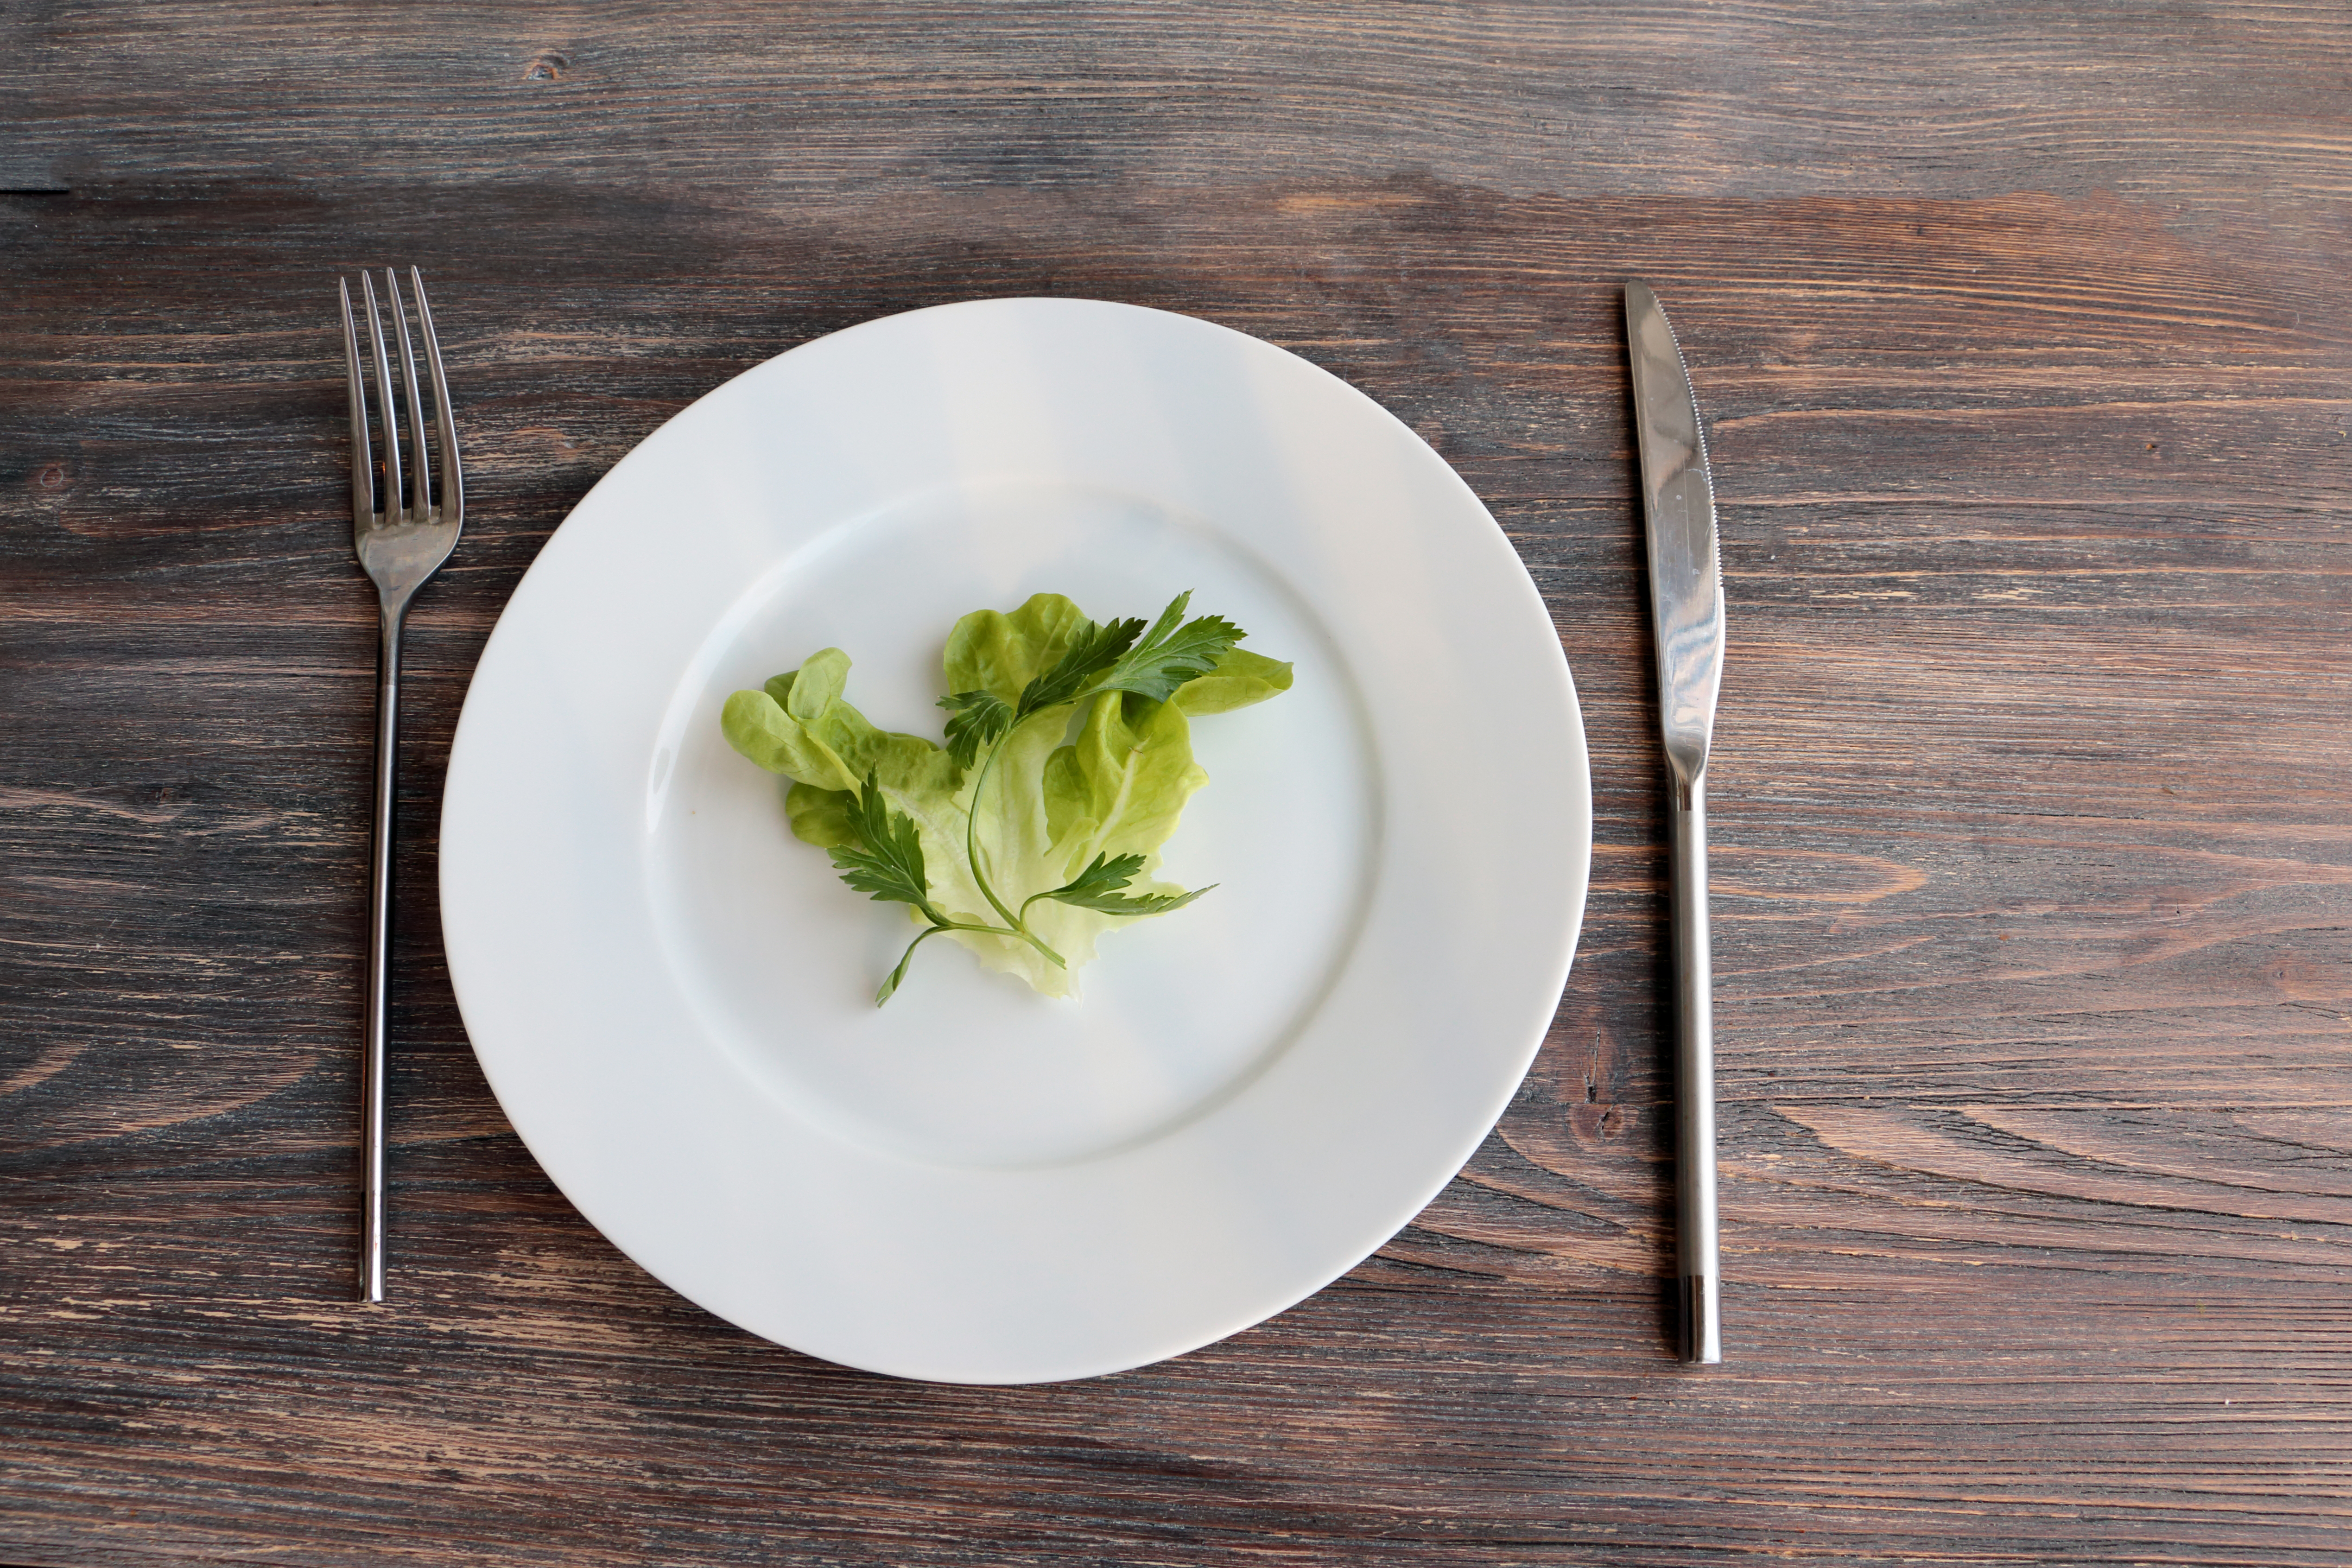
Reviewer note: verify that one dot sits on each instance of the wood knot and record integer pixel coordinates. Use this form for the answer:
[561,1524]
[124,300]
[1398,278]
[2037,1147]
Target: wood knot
[549,66]
[1594,1124]
[51,478]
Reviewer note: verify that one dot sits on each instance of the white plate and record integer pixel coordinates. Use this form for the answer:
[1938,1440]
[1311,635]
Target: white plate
[672,997]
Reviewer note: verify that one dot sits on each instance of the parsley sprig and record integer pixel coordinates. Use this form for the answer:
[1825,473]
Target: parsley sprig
[890,868]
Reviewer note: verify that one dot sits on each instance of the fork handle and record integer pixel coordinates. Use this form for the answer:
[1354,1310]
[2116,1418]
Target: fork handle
[1695,1232]
[372,1074]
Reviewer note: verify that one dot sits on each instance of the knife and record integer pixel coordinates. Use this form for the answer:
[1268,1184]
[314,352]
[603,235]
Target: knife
[1686,619]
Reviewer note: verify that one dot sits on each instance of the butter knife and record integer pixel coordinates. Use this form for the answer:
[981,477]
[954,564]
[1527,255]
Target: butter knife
[1686,618]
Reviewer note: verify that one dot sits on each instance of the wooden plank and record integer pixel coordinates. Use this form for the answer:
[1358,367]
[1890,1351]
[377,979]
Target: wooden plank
[2025,345]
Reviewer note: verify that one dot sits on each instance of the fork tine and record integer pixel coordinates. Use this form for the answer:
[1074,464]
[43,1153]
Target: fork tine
[392,505]
[362,457]
[453,488]
[420,478]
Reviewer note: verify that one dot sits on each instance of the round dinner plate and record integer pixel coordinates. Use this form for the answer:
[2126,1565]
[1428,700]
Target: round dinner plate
[673,998]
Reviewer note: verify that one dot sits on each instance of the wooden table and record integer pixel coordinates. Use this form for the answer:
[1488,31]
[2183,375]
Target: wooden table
[2026,337]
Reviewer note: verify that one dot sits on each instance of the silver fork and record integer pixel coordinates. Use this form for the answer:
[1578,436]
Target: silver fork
[401,546]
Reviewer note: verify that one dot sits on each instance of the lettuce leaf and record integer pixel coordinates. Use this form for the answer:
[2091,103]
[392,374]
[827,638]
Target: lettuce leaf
[1075,736]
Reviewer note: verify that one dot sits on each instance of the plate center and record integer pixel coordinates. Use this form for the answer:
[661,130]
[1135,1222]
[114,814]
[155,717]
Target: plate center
[966,1067]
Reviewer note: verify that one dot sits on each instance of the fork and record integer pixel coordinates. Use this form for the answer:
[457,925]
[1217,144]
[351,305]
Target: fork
[400,546]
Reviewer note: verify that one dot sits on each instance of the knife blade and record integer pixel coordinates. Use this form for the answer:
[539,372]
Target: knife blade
[1686,624]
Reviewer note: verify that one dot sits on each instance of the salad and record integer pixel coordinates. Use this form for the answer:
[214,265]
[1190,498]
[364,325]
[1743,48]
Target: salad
[1035,827]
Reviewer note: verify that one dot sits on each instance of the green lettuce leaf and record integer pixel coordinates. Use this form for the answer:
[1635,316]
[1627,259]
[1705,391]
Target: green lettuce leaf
[1238,679]
[1086,733]
[802,726]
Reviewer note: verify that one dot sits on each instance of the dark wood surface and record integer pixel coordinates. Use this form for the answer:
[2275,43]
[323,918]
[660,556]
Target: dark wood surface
[2025,336]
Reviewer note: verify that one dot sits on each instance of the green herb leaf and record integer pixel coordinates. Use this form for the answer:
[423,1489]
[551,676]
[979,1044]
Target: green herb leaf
[1100,887]
[1141,904]
[1094,650]
[889,866]
[978,719]
[1107,874]
[1170,654]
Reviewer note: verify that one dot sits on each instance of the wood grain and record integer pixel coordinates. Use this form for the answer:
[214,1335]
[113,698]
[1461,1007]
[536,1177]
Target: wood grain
[2025,338]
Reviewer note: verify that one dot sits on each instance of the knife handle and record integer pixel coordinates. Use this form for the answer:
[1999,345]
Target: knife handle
[1701,1336]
